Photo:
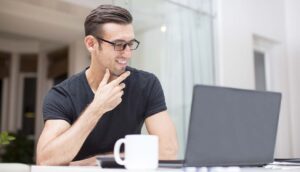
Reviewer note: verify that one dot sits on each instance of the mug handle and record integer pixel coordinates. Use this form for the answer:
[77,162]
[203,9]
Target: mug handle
[117,151]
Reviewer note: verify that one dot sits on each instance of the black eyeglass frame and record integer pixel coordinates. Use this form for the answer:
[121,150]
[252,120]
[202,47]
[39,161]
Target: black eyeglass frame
[124,46]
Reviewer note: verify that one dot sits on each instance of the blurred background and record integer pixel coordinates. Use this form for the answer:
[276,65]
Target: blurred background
[237,43]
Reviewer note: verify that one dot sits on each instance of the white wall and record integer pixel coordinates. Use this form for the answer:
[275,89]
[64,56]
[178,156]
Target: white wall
[293,42]
[238,23]
[79,58]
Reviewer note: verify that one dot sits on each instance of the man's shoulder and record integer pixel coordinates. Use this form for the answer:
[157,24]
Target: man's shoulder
[74,79]
[70,84]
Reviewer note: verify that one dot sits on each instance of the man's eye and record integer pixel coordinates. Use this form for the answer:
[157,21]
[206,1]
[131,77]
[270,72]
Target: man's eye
[121,44]
[130,44]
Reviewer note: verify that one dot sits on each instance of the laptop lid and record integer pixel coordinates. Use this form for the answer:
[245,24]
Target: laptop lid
[232,127]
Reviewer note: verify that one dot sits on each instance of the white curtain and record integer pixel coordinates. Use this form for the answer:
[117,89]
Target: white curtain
[180,57]
[187,61]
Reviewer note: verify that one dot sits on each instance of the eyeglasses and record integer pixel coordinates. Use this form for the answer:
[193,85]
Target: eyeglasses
[121,45]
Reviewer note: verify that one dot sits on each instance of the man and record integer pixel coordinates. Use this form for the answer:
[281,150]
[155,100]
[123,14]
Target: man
[87,113]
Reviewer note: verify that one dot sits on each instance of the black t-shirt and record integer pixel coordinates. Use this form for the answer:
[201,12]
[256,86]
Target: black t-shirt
[143,97]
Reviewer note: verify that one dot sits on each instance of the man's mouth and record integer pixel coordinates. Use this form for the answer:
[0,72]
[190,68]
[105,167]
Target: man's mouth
[121,62]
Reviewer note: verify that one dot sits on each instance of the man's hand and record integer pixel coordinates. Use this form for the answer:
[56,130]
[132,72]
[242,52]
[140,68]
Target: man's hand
[109,95]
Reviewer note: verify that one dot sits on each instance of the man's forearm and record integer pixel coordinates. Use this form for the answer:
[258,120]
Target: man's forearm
[168,148]
[62,149]
[160,124]
[168,152]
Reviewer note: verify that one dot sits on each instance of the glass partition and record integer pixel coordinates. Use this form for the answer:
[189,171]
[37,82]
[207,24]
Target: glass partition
[177,46]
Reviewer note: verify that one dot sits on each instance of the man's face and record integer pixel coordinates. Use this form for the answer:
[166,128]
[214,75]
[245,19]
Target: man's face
[115,61]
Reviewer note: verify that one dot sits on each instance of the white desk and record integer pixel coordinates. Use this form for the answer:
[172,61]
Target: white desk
[14,167]
[35,168]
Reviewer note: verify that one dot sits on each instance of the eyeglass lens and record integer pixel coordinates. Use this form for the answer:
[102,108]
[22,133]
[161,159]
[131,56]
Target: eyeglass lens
[119,46]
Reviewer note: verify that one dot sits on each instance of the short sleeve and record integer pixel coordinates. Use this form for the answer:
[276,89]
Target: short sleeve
[57,106]
[155,98]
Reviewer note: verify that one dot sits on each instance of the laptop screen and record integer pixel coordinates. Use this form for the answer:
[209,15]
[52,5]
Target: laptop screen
[232,127]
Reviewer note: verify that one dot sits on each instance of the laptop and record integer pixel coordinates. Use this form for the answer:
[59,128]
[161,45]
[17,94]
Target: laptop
[232,127]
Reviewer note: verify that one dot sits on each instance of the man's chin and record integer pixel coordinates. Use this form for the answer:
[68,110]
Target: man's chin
[117,72]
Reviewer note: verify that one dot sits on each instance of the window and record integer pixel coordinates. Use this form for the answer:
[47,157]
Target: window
[177,46]
[28,105]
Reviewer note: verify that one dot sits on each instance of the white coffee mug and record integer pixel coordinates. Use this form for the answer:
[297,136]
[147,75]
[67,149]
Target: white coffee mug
[141,152]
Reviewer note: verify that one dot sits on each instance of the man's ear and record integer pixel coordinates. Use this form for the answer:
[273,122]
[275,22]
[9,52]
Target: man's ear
[90,43]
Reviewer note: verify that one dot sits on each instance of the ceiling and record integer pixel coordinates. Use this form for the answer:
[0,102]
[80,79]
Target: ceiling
[37,20]
[61,21]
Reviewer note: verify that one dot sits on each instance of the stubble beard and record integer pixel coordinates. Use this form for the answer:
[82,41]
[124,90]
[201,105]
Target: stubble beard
[118,73]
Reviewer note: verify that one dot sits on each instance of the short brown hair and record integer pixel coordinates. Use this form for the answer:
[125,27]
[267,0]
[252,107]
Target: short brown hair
[105,14]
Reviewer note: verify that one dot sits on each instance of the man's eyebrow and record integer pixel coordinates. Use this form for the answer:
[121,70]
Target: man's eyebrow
[122,40]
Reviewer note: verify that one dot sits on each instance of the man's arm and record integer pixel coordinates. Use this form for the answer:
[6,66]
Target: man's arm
[160,124]
[60,142]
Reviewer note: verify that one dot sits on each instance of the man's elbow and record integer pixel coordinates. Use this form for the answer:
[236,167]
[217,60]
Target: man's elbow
[47,161]
[42,160]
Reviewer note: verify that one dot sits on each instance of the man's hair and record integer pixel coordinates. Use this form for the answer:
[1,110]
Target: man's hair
[105,14]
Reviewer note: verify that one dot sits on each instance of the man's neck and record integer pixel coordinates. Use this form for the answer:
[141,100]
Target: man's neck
[94,77]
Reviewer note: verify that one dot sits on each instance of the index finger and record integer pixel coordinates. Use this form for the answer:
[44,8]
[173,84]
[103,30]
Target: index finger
[120,78]
[105,78]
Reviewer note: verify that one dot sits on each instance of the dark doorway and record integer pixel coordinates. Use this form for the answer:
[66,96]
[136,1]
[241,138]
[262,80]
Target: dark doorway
[260,71]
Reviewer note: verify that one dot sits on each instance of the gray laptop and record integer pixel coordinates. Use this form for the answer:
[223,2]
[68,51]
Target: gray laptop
[232,127]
